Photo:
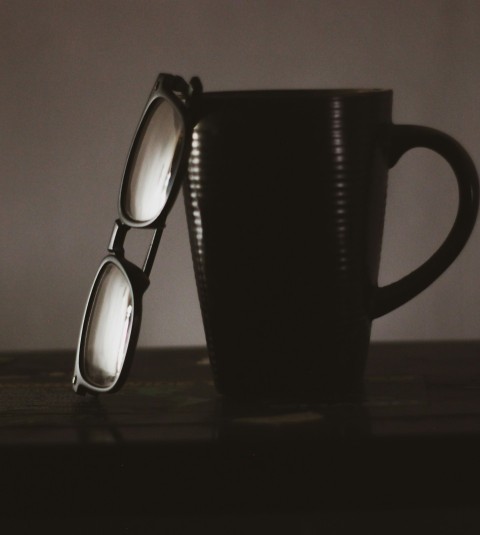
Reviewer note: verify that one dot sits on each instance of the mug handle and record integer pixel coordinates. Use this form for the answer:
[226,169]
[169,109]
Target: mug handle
[402,139]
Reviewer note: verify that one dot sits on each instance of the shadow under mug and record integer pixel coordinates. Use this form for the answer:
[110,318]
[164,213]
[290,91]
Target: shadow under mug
[285,199]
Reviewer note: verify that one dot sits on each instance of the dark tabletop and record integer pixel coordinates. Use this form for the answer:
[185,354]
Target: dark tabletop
[168,444]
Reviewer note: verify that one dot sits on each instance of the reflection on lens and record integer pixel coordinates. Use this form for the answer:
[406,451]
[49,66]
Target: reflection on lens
[150,178]
[109,328]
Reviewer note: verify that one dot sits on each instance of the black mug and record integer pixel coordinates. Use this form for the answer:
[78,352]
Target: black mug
[285,199]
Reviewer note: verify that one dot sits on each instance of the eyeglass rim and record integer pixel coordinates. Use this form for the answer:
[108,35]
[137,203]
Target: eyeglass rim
[164,89]
[138,282]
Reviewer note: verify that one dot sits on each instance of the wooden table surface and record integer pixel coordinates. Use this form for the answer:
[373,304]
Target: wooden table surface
[167,444]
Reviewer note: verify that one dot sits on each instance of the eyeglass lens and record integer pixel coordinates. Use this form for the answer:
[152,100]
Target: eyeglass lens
[150,178]
[109,327]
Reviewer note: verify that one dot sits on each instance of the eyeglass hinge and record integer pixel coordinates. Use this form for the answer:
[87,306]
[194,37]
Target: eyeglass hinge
[178,85]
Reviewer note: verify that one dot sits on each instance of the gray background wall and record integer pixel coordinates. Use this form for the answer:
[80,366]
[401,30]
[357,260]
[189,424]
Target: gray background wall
[75,76]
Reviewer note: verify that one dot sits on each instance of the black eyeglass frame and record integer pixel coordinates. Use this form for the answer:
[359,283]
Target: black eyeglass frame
[182,96]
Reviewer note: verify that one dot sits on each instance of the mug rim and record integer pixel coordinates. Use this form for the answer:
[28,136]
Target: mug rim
[326,93]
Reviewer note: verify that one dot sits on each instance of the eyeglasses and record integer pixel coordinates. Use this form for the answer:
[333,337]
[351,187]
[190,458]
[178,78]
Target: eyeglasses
[156,165]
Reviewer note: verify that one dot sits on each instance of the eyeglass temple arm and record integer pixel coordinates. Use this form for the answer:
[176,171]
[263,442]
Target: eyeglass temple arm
[117,240]
[152,250]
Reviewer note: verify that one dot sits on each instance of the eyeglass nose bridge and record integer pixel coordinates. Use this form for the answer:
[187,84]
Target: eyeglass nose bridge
[117,240]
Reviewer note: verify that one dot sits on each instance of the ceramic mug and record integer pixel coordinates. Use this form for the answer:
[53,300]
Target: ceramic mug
[285,199]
